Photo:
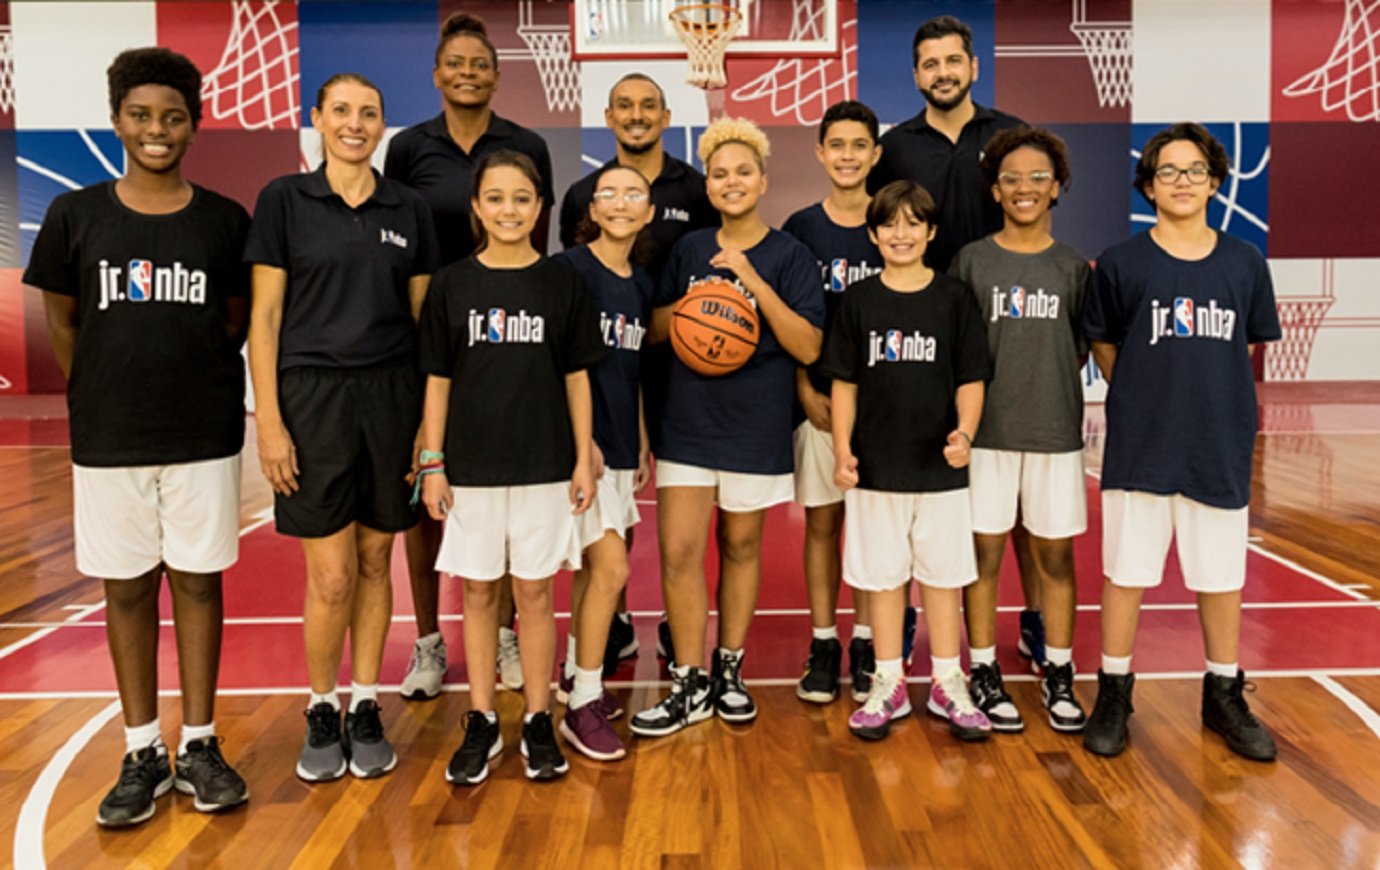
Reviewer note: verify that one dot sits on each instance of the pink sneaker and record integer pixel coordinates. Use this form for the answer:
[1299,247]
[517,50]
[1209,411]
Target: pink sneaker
[588,730]
[949,699]
[886,701]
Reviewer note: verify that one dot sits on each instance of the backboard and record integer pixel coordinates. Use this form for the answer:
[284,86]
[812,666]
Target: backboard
[628,29]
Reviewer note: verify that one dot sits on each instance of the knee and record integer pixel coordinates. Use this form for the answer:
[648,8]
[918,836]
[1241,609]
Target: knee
[332,586]
[679,557]
[481,594]
[134,593]
[609,578]
[740,547]
[823,523]
[198,589]
[375,565]
[532,598]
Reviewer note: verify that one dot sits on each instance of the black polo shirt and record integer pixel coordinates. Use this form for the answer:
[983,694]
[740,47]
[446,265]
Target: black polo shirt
[426,159]
[681,206]
[949,171]
[348,268]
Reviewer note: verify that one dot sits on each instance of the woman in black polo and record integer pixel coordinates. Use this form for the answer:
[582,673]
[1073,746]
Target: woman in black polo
[437,159]
[342,258]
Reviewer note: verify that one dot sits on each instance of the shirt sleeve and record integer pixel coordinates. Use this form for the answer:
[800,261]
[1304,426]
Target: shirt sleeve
[242,270]
[428,255]
[972,361]
[52,266]
[1103,319]
[1263,322]
[839,359]
[670,288]
[435,355]
[585,346]
[267,242]
[1082,292]
[395,163]
[541,156]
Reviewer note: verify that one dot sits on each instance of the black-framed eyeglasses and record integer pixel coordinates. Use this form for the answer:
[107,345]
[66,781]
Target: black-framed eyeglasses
[1169,174]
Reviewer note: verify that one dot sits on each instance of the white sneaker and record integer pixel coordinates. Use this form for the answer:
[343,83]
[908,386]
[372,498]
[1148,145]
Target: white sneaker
[426,670]
[509,662]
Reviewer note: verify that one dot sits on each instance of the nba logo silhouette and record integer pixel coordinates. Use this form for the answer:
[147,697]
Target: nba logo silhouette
[140,280]
[1017,302]
[496,318]
[1183,316]
[619,323]
[838,276]
[893,345]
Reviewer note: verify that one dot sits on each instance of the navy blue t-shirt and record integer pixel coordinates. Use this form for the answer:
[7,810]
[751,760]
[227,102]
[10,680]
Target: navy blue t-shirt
[624,306]
[1181,406]
[845,254]
[740,421]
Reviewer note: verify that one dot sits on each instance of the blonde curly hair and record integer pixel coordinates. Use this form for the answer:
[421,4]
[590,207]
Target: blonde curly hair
[725,130]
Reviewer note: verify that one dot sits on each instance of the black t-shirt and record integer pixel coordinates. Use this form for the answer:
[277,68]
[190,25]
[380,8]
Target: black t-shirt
[155,378]
[507,338]
[908,353]
[740,421]
[347,302]
[845,254]
[950,172]
[677,195]
[624,306]
[426,159]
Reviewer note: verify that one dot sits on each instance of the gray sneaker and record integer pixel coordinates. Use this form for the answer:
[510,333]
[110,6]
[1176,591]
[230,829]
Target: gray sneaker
[323,757]
[509,660]
[370,753]
[426,671]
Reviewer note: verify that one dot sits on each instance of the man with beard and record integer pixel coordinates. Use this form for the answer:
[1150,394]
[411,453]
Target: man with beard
[940,147]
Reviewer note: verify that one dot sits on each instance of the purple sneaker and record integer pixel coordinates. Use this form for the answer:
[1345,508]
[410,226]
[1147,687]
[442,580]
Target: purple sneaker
[949,699]
[564,686]
[607,701]
[886,701]
[588,730]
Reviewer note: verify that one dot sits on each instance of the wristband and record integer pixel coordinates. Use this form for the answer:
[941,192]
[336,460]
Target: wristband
[430,456]
[417,487]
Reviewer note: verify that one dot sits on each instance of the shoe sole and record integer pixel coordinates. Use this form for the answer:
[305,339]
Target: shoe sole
[185,787]
[512,687]
[374,772]
[494,752]
[1238,751]
[1066,728]
[816,697]
[667,730]
[1006,728]
[736,718]
[1105,752]
[158,791]
[543,774]
[307,776]
[629,651]
[418,694]
[967,735]
[570,737]
[880,732]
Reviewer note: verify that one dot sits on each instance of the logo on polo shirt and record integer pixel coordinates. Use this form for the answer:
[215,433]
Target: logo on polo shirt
[497,326]
[141,281]
[388,237]
[621,333]
[671,213]
[1187,320]
[895,346]
[839,273]
[1021,304]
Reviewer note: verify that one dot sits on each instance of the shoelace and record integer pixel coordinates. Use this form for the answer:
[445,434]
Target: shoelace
[209,754]
[1238,704]
[474,736]
[819,657]
[987,683]
[882,686]
[732,673]
[368,725]
[508,647]
[133,773]
[1060,683]
[957,691]
[540,732]
[322,724]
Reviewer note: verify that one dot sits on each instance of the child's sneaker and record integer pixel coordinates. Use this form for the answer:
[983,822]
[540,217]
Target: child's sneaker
[205,774]
[887,701]
[144,776]
[820,684]
[732,701]
[1225,711]
[621,644]
[370,753]
[989,694]
[426,670]
[482,744]
[949,700]
[608,701]
[587,728]
[1106,730]
[1032,641]
[862,661]
[323,757]
[1056,688]
[509,660]
[544,758]
[690,700]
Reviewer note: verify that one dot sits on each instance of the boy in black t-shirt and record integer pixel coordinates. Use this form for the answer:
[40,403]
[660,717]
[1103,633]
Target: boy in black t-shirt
[146,300]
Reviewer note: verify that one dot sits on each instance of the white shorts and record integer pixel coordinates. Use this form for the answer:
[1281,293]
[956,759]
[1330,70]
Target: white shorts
[894,536]
[814,467]
[738,493]
[527,531]
[614,508]
[1049,487]
[129,520]
[1138,526]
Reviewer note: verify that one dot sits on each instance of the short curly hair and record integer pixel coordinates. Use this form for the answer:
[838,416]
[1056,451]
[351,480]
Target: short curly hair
[1037,138]
[154,66]
[725,130]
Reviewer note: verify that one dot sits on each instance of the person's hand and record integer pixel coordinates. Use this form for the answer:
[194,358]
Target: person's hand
[411,477]
[643,475]
[817,409]
[845,470]
[596,461]
[437,495]
[278,458]
[958,449]
[738,263]
[583,485]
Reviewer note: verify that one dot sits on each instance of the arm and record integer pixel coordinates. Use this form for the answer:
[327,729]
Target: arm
[660,328]
[416,294]
[1104,353]
[644,448]
[968,401]
[815,403]
[63,323]
[844,402]
[800,338]
[436,406]
[277,454]
[581,405]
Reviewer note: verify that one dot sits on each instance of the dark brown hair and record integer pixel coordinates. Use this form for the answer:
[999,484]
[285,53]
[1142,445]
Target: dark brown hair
[465,24]
[493,160]
[898,195]
[1185,131]
[587,230]
[938,28]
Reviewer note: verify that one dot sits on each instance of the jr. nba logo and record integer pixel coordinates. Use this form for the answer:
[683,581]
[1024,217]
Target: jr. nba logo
[140,280]
[1017,302]
[1183,316]
[838,276]
[619,323]
[496,319]
[893,345]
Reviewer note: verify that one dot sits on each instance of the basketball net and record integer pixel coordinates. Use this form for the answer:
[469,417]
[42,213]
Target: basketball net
[1288,358]
[1350,77]
[256,80]
[706,29]
[6,69]
[560,78]
[1108,47]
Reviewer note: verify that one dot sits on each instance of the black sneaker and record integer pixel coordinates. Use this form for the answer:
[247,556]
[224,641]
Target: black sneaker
[544,758]
[989,695]
[664,647]
[1056,688]
[1105,733]
[144,775]
[370,753]
[203,773]
[622,642]
[731,699]
[323,756]
[1032,641]
[689,701]
[862,664]
[1226,712]
[820,683]
[908,636]
[483,742]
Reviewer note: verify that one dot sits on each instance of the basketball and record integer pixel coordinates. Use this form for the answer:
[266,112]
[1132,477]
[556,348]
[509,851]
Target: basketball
[714,328]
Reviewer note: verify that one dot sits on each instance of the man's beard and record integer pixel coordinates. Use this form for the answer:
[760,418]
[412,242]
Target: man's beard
[945,105]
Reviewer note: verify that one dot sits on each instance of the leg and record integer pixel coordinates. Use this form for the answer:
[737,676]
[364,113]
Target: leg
[481,640]
[1031,586]
[1120,615]
[422,542]
[198,614]
[683,514]
[507,611]
[373,604]
[537,643]
[1058,588]
[887,611]
[332,570]
[980,596]
[132,635]
[740,574]
[606,577]
[823,568]
[942,621]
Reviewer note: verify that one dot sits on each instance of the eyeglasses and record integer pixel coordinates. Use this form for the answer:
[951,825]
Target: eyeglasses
[1038,178]
[1169,174]
[608,195]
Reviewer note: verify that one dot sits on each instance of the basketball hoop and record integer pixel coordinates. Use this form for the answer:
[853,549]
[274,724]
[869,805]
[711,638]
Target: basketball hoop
[6,69]
[1299,318]
[706,29]
[1108,47]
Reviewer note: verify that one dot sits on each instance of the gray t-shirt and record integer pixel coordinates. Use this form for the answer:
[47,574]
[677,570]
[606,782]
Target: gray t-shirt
[1033,306]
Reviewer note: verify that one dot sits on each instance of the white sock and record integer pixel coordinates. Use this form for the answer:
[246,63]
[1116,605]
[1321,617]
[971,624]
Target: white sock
[1116,665]
[862,632]
[570,666]
[830,633]
[331,697]
[730,654]
[359,694]
[589,685]
[891,667]
[144,736]
[1219,669]
[624,617]
[986,655]
[527,717]
[941,666]
[1058,655]
[195,732]
[491,715]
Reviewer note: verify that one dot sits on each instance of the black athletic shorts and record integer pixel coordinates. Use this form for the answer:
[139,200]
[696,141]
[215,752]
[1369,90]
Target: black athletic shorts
[354,431]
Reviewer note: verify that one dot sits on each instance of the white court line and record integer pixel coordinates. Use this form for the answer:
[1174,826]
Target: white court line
[1353,703]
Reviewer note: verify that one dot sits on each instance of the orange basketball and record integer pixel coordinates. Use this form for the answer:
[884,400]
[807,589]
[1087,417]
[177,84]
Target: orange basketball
[714,327]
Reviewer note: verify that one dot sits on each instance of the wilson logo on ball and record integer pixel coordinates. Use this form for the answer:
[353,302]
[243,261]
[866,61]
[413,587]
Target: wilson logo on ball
[714,328]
